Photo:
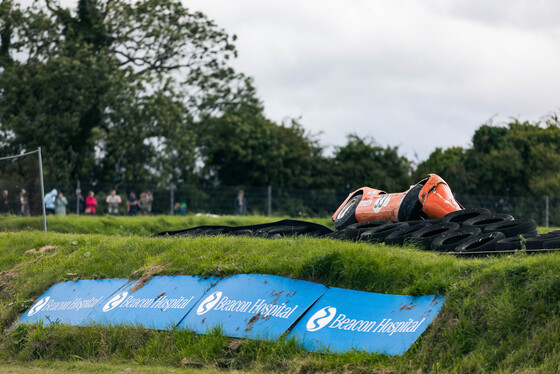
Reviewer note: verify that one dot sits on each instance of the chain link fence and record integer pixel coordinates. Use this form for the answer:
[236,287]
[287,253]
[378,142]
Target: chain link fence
[296,203]
[267,201]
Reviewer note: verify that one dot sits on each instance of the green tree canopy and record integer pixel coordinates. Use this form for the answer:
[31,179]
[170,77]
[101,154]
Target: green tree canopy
[521,158]
[361,162]
[111,89]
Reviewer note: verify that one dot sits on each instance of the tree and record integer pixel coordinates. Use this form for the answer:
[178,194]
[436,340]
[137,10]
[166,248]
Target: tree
[521,158]
[112,89]
[242,147]
[361,162]
[450,165]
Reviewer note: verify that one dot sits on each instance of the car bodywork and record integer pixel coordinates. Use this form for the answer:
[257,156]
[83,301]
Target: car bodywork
[429,198]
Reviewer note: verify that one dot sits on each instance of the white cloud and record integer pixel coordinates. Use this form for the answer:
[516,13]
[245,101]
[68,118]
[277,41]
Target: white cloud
[415,74]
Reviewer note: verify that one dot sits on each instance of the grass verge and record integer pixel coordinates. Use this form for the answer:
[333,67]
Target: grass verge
[138,225]
[501,315]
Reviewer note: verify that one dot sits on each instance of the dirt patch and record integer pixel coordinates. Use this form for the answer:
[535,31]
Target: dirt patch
[142,282]
[44,249]
[234,345]
[7,275]
[147,274]
[153,269]
[193,364]
[252,322]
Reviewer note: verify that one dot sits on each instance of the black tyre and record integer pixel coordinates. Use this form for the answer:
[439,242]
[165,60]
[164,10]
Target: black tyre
[543,241]
[450,241]
[525,227]
[336,235]
[485,220]
[461,216]
[378,234]
[245,232]
[354,231]
[425,236]
[513,243]
[411,207]
[424,221]
[535,242]
[553,243]
[347,214]
[399,236]
[485,242]
[367,225]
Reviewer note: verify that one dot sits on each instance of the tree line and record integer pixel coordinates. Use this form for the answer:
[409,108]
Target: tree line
[143,92]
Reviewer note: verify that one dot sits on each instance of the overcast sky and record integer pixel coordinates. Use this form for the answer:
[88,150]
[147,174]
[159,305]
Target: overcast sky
[412,74]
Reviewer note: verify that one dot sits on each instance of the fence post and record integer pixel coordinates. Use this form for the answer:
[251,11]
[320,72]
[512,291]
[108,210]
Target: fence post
[269,201]
[77,199]
[172,198]
[546,211]
[42,189]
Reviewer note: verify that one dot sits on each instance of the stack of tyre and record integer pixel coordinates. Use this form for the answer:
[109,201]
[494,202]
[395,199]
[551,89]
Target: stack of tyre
[464,231]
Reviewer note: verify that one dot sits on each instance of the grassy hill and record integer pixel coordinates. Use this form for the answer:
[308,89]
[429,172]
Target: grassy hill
[502,313]
[138,225]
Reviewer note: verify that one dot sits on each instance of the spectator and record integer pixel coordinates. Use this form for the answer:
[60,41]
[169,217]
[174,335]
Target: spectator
[180,209]
[23,204]
[91,203]
[132,204]
[78,203]
[4,203]
[60,205]
[145,203]
[183,209]
[240,204]
[49,201]
[113,200]
[150,199]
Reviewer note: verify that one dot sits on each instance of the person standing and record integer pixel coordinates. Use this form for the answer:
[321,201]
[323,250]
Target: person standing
[23,204]
[132,204]
[240,204]
[145,203]
[91,203]
[114,201]
[49,201]
[4,203]
[78,203]
[60,205]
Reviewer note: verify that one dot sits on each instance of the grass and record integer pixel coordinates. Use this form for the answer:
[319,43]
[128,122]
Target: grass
[502,314]
[124,225]
[110,366]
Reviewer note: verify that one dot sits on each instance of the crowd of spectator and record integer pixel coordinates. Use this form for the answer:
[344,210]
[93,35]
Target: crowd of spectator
[57,204]
[21,206]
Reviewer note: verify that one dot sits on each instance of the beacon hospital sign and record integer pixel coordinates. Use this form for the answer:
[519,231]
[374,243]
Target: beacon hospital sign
[248,305]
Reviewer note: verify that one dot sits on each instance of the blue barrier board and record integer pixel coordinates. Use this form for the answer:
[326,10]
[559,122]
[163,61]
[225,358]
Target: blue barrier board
[253,306]
[70,302]
[345,319]
[159,304]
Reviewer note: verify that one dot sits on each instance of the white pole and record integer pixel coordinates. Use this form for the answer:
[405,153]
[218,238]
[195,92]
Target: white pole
[42,190]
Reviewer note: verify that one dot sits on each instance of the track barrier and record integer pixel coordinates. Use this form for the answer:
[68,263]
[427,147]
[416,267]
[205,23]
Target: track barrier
[255,306]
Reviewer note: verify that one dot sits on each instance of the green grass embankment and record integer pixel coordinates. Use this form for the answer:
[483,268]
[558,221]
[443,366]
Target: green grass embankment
[137,225]
[502,314]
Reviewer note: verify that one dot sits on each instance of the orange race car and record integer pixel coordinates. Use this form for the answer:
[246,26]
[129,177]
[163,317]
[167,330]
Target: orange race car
[430,198]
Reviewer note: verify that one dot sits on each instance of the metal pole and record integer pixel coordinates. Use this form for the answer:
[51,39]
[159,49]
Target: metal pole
[172,198]
[269,201]
[42,189]
[546,211]
[77,198]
